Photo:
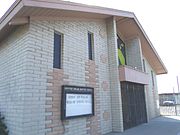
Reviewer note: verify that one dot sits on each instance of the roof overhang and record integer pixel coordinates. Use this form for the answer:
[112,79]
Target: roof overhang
[20,12]
[129,28]
[58,8]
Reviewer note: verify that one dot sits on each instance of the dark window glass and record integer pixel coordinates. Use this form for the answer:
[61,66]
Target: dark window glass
[58,40]
[91,45]
[144,65]
[152,76]
[121,51]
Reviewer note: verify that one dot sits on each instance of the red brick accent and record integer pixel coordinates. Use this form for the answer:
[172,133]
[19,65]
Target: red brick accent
[54,125]
[92,80]
[105,85]
[103,58]
[106,115]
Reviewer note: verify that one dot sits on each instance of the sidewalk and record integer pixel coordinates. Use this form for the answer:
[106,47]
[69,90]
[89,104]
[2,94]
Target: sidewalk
[169,125]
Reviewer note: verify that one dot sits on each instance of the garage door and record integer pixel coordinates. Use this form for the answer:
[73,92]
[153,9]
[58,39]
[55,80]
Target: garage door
[133,104]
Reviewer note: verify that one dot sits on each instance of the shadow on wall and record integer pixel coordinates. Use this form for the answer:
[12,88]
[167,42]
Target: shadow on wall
[3,127]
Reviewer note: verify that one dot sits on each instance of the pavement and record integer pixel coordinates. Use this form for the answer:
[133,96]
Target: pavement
[164,125]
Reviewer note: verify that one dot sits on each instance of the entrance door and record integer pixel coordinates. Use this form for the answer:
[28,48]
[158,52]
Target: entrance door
[133,104]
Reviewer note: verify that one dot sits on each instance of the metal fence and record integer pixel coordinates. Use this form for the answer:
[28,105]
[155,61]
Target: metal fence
[170,109]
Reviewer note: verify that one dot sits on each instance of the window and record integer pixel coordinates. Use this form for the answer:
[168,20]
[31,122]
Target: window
[91,45]
[144,65]
[58,47]
[121,51]
[152,76]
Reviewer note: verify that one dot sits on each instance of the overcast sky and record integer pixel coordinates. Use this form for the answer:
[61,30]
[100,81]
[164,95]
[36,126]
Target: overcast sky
[161,21]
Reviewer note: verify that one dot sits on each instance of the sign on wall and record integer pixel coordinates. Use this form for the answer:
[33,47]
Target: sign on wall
[77,101]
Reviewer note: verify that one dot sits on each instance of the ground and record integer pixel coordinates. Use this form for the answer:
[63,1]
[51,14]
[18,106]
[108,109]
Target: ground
[164,125]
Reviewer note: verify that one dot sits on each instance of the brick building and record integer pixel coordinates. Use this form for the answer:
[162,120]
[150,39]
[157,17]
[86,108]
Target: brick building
[47,44]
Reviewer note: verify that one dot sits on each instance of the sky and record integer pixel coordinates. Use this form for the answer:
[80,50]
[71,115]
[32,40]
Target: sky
[161,22]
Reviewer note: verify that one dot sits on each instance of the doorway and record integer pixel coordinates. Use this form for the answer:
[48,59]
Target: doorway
[133,104]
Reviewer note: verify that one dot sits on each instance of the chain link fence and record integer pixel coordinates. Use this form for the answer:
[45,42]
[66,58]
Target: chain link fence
[169,104]
[170,109]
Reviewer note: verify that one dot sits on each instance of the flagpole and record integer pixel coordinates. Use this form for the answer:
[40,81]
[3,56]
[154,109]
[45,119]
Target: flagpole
[174,94]
[178,83]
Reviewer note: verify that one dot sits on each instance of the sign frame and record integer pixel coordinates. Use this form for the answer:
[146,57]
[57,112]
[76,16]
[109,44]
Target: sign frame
[75,90]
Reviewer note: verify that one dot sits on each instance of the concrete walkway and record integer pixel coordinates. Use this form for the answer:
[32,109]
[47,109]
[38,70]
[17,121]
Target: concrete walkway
[169,125]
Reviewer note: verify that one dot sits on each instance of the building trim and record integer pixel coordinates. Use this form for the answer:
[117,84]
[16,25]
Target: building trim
[20,5]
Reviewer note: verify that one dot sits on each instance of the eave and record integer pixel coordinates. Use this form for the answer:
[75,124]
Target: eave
[20,12]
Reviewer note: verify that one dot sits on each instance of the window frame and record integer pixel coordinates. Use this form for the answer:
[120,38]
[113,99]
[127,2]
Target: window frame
[60,48]
[91,55]
[152,77]
[118,47]
[144,65]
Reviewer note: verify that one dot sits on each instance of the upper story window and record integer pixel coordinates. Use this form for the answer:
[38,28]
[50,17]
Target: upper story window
[121,51]
[91,46]
[144,65]
[152,77]
[58,48]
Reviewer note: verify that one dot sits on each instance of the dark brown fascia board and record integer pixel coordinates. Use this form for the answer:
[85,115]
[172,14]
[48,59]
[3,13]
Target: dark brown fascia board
[19,21]
[9,10]
[12,11]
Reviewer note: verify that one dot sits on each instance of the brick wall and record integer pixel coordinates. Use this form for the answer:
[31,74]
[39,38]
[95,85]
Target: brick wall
[133,53]
[54,125]
[92,80]
[151,94]
[116,103]
[30,89]
[13,66]
[77,70]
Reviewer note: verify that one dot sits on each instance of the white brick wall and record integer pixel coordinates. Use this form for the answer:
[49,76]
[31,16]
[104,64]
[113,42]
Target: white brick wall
[26,57]
[13,68]
[116,103]
[133,53]
[74,58]
[40,56]
[151,93]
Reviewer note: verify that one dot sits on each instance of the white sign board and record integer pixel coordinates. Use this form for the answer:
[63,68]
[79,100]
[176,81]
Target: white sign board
[78,104]
[77,101]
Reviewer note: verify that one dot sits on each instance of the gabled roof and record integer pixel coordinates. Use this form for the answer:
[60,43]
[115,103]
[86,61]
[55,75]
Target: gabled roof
[21,10]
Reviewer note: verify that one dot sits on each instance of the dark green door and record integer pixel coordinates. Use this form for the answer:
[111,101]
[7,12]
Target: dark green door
[133,104]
